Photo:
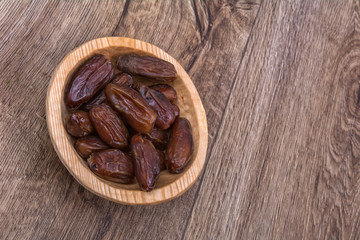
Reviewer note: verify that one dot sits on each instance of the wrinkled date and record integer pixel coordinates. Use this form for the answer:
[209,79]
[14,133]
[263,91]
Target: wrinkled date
[176,110]
[180,147]
[158,137]
[88,80]
[129,103]
[162,165]
[123,79]
[147,162]
[146,66]
[161,105]
[109,127]
[87,145]
[78,124]
[119,113]
[168,91]
[113,165]
[120,78]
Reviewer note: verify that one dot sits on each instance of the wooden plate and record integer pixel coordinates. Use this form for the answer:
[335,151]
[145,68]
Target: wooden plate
[168,186]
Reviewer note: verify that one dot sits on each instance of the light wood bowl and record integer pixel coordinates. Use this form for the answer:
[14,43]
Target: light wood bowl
[168,186]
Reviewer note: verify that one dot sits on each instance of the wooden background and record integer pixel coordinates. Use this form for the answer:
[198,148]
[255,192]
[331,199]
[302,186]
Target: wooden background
[280,81]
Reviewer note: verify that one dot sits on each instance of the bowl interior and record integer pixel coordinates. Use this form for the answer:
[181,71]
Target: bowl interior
[185,103]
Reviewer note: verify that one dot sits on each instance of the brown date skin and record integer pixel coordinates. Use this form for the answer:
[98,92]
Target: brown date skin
[87,145]
[109,126]
[158,137]
[123,79]
[168,91]
[162,165]
[113,165]
[161,105]
[78,124]
[88,79]
[120,78]
[180,147]
[176,110]
[133,108]
[146,66]
[146,162]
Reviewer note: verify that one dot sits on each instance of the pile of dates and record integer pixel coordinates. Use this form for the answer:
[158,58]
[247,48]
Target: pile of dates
[124,128]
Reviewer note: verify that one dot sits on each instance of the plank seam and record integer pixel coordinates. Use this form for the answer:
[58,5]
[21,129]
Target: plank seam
[221,121]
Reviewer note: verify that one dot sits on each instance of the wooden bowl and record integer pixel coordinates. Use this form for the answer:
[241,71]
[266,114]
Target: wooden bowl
[168,186]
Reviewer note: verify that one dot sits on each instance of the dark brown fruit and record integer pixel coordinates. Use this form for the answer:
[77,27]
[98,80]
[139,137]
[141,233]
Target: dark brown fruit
[180,147]
[129,103]
[113,165]
[176,110]
[168,91]
[162,165]
[97,100]
[120,78]
[109,126]
[161,105]
[146,162]
[88,79]
[146,66]
[87,145]
[123,79]
[78,124]
[158,137]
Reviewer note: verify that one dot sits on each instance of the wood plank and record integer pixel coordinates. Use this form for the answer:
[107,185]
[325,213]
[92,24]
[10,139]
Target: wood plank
[40,198]
[286,162]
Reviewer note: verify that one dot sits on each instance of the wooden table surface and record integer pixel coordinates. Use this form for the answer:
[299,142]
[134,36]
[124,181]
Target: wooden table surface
[279,80]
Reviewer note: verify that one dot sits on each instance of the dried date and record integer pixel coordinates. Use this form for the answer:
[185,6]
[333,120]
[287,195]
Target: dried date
[176,110]
[113,165]
[109,126]
[123,79]
[180,147]
[120,78]
[162,165]
[87,145]
[146,162]
[146,66]
[161,105]
[78,124]
[129,103]
[158,137]
[89,79]
[168,91]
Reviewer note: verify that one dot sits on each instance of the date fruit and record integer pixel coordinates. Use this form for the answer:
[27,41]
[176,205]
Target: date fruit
[180,147]
[78,124]
[146,162]
[168,91]
[87,145]
[176,110]
[123,79]
[161,105]
[120,78]
[109,127]
[89,79]
[113,165]
[129,103]
[158,137]
[97,100]
[162,165]
[146,66]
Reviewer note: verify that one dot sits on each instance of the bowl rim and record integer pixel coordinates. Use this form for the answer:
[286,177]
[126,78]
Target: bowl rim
[66,153]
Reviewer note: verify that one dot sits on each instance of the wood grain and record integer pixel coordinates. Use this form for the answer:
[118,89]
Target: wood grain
[284,163]
[39,199]
[291,170]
